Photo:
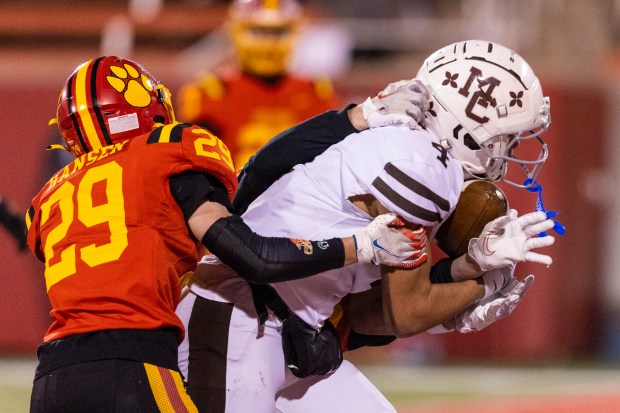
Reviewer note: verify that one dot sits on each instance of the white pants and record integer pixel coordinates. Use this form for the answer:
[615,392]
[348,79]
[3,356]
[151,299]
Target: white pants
[257,379]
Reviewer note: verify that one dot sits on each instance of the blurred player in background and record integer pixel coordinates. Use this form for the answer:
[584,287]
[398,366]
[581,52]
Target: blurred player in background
[473,127]
[248,103]
[118,227]
[13,223]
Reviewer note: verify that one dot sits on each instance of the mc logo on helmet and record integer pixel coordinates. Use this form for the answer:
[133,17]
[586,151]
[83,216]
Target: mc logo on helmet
[482,97]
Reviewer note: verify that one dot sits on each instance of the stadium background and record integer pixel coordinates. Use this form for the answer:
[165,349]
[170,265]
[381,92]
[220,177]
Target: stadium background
[563,340]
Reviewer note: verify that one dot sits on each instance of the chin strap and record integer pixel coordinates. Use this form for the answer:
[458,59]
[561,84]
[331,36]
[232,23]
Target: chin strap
[533,186]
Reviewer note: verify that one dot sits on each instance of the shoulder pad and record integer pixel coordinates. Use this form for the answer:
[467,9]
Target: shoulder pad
[211,85]
[324,88]
[171,133]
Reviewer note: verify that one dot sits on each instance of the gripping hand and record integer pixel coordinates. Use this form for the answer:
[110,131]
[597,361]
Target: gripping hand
[493,308]
[386,240]
[509,240]
[400,103]
[497,279]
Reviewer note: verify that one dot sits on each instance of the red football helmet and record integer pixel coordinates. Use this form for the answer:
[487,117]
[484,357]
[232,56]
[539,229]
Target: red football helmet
[109,100]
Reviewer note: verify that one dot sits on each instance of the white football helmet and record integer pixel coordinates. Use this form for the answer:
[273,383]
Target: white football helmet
[486,101]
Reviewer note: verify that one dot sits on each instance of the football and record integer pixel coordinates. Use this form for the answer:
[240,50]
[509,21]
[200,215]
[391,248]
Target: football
[481,201]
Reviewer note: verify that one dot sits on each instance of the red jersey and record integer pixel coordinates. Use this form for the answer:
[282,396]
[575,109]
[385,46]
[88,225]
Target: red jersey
[113,238]
[246,112]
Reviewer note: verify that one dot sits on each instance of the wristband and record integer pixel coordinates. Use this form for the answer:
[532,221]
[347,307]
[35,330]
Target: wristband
[441,272]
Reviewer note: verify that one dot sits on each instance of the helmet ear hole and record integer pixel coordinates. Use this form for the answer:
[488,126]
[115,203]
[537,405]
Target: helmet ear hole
[159,119]
[470,142]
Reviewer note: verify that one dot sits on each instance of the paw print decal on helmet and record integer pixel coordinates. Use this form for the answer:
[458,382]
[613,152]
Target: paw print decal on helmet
[134,86]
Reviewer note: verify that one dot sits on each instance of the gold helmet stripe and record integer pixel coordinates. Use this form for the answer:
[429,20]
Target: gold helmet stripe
[82,86]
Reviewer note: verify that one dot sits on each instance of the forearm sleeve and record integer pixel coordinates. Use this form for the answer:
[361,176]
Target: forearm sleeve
[261,259]
[297,145]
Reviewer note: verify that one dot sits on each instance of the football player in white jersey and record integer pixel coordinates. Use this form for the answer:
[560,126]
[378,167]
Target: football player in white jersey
[485,100]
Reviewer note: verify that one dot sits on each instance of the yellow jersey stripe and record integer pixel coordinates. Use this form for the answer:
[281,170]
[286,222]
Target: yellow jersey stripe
[166,131]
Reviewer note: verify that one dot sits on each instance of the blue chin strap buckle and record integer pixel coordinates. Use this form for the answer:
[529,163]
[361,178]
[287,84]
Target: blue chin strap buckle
[534,186]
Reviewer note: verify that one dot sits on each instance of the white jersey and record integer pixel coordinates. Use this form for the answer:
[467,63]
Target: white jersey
[407,171]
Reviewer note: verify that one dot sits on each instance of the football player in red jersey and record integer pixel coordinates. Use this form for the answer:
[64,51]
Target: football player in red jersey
[248,103]
[119,226]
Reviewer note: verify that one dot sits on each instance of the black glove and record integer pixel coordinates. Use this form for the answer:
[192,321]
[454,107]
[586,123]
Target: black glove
[309,352]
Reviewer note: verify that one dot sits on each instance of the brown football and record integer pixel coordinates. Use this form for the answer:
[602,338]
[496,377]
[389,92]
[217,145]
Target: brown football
[480,202]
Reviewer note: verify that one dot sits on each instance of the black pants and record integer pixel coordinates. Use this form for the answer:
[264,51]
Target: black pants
[110,386]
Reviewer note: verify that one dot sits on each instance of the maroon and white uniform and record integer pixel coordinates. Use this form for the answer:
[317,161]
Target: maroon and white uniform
[410,174]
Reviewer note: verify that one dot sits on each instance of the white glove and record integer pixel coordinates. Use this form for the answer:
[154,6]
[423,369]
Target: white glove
[509,240]
[400,103]
[497,279]
[494,308]
[387,241]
